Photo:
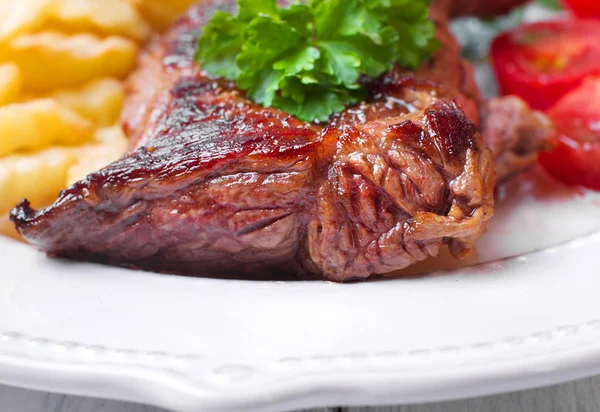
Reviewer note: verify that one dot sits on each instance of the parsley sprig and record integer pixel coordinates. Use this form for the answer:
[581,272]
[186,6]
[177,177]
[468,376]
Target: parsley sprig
[307,58]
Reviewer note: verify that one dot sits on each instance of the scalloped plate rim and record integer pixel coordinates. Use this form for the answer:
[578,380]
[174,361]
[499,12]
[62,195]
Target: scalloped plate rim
[577,358]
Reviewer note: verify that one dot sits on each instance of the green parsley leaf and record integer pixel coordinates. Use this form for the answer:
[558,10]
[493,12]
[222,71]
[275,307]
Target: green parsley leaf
[307,59]
[220,44]
[299,61]
[300,17]
[341,61]
[339,18]
[249,9]
[319,103]
[551,4]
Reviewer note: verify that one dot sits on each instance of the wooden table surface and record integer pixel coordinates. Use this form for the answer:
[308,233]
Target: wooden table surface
[579,396]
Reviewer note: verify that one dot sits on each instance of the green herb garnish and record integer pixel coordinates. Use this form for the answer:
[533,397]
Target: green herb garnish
[307,58]
[551,4]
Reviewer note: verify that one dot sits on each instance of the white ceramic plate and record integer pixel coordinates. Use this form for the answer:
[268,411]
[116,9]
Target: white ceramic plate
[222,345]
[527,315]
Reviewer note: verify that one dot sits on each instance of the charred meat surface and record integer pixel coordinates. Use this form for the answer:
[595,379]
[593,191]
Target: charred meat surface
[216,184]
[482,8]
[515,134]
[457,8]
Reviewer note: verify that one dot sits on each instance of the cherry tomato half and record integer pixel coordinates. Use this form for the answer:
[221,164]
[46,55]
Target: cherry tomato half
[584,8]
[576,159]
[541,62]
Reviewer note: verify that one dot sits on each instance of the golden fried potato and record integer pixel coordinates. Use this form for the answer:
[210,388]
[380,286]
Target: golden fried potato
[111,145]
[99,100]
[103,17]
[38,124]
[162,13]
[38,177]
[11,83]
[60,66]
[51,60]
[21,16]
[113,135]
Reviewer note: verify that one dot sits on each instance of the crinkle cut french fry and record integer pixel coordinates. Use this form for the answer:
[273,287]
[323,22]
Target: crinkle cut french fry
[52,60]
[162,13]
[38,124]
[100,100]
[60,66]
[111,146]
[11,83]
[103,17]
[39,177]
[21,16]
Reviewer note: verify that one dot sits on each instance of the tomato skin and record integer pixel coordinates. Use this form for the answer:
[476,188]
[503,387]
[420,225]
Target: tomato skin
[576,159]
[572,165]
[584,8]
[540,62]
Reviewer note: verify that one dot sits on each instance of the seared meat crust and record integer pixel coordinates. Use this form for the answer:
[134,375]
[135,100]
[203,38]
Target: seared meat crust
[515,134]
[481,8]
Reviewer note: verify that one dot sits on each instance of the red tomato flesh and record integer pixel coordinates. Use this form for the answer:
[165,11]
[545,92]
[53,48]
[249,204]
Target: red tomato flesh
[541,62]
[576,159]
[584,8]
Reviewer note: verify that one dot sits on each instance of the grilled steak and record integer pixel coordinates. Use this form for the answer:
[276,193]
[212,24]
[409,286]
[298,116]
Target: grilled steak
[217,185]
